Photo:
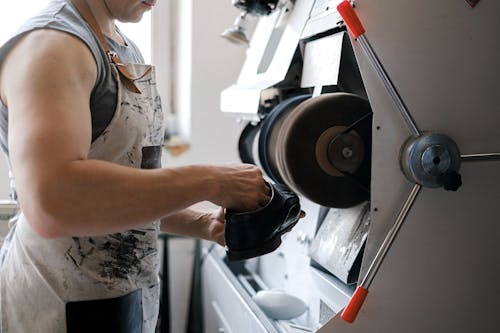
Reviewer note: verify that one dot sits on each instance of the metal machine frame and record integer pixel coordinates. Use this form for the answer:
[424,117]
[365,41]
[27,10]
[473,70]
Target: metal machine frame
[438,269]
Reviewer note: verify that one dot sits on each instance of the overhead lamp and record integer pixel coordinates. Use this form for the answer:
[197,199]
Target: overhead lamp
[237,33]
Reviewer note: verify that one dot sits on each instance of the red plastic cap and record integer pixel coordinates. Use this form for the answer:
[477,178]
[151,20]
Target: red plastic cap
[351,19]
[351,310]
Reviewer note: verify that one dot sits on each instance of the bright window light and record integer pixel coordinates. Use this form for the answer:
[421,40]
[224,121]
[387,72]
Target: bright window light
[14,13]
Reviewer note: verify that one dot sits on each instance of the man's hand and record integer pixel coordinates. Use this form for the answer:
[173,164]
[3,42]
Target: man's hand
[202,221]
[240,187]
[215,226]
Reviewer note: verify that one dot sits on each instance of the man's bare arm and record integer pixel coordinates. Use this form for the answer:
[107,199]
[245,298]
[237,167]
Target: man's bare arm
[46,81]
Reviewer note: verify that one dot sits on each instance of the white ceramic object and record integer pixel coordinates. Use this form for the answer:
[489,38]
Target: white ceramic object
[279,305]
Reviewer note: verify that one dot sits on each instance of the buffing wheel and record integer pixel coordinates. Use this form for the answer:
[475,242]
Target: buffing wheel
[323,150]
[268,135]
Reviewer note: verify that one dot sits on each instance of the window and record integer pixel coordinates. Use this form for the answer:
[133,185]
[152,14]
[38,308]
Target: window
[14,13]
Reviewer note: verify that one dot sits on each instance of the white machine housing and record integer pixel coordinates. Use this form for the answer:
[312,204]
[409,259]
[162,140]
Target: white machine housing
[441,272]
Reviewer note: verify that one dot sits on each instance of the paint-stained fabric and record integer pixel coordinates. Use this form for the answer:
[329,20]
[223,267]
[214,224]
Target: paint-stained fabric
[39,277]
[40,273]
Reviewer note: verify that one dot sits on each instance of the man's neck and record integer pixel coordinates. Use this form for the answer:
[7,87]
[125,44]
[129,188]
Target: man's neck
[105,19]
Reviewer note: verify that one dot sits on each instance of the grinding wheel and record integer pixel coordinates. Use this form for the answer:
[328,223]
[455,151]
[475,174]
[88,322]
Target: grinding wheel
[246,142]
[268,135]
[325,150]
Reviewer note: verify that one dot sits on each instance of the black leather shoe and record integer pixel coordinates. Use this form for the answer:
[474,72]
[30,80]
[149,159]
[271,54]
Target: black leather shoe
[252,234]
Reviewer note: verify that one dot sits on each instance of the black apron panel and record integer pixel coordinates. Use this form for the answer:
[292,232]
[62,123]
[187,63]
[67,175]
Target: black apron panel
[121,315]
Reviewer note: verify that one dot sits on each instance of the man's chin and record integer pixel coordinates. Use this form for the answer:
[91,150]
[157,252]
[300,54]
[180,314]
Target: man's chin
[134,19]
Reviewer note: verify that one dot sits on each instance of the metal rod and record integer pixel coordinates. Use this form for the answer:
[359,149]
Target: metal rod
[480,157]
[379,69]
[382,251]
[317,90]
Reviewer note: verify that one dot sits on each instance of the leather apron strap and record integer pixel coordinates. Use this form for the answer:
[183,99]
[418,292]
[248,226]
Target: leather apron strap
[125,75]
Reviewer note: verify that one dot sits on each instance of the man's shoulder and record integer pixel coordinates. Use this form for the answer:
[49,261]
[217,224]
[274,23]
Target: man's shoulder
[56,28]
[56,23]
[49,42]
[51,53]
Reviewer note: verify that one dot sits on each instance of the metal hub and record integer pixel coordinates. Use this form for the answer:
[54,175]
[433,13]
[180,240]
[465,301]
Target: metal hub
[346,152]
[431,160]
[436,160]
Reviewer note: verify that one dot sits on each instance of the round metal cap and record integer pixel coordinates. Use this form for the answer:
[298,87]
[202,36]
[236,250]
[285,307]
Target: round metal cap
[430,159]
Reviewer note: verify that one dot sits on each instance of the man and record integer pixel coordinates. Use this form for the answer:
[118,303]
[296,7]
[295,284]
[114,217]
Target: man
[85,130]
